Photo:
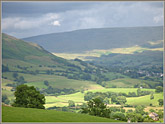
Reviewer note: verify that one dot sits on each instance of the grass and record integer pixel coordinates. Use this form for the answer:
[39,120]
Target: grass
[54,81]
[62,100]
[145,100]
[78,97]
[117,90]
[16,114]
[126,82]
[99,52]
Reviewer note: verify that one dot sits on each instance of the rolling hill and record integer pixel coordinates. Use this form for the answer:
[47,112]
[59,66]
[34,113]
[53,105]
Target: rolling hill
[36,65]
[13,48]
[14,114]
[143,59]
[102,38]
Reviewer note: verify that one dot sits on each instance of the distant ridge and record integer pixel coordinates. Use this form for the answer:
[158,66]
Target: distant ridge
[99,38]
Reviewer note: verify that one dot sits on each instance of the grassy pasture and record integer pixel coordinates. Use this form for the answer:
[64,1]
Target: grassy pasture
[99,52]
[54,81]
[125,82]
[123,90]
[145,100]
[15,114]
[78,97]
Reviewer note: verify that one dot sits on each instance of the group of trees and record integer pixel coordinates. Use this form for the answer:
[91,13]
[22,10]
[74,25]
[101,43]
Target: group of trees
[118,98]
[5,68]
[19,79]
[5,99]
[96,107]
[159,89]
[28,97]
[57,91]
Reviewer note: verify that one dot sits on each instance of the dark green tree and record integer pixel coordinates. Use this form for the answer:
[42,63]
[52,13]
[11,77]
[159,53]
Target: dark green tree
[15,74]
[114,99]
[106,100]
[152,96]
[121,100]
[97,108]
[5,68]
[160,102]
[152,110]
[134,117]
[138,92]
[28,97]
[159,89]
[5,99]
[160,113]
[46,83]
[119,116]
[139,109]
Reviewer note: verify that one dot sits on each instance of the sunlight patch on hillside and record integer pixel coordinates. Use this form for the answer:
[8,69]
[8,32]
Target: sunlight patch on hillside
[88,55]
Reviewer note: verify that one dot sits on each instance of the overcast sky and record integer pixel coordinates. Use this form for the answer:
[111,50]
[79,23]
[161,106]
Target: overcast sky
[24,19]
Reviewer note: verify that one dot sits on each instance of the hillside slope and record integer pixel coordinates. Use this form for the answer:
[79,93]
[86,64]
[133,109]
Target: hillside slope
[14,114]
[101,38]
[13,48]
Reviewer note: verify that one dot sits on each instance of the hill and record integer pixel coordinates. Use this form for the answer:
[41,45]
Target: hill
[100,38]
[14,114]
[13,48]
[140,59]
[23,57]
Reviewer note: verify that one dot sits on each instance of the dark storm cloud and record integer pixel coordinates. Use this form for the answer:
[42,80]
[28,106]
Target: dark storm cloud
[38,8]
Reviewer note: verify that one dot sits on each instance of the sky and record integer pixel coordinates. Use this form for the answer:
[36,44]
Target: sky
[25,19]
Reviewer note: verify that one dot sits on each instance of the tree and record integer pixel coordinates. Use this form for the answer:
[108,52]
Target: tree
[97,108]
[138,92]
[160,102]
[5,68]
[152,110]
[159,89]
[21,80]
[160,113]
[121,100]
[15,74]
[139,109]
[106,100]
[135,117]
[113,99]
[28,97]
[88,96]
[5,99]
[152,96]
[71,103]
[46,83]
[119,116]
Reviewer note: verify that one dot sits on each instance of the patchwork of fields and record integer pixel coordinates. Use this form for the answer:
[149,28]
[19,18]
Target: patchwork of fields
[78,98]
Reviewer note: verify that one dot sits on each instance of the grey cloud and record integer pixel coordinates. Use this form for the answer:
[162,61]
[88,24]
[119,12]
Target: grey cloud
[79,15]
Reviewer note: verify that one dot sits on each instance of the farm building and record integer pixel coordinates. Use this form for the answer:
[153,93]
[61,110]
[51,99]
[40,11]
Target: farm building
[154,116]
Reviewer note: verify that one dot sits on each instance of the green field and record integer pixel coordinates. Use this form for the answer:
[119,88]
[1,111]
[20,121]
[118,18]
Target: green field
[145,100]
[123,90]
[54,81]
[126,82]
[14,114]
[99,52]
[78,97]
